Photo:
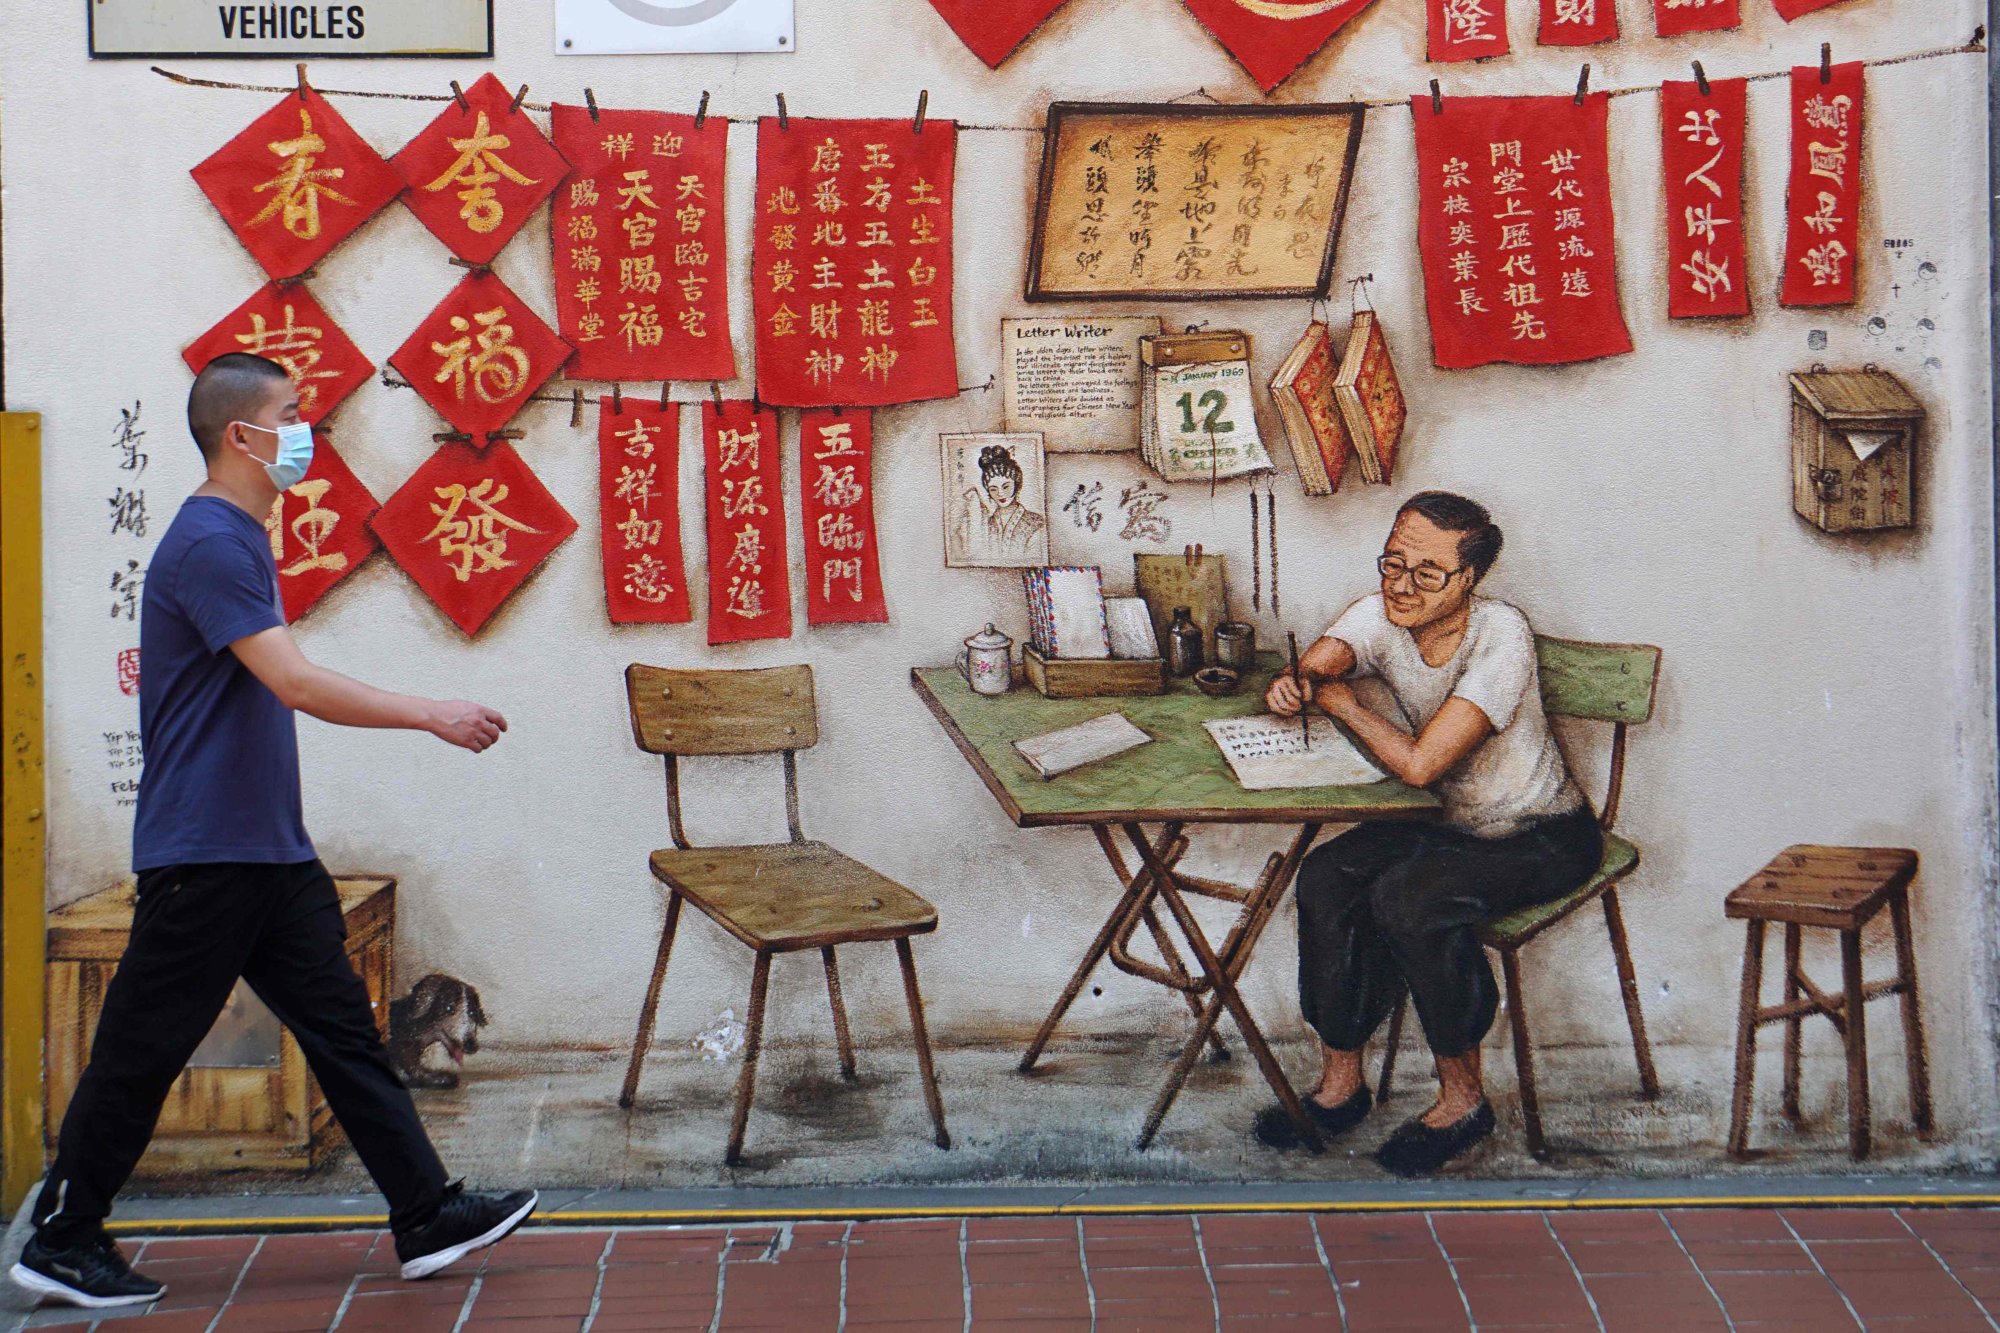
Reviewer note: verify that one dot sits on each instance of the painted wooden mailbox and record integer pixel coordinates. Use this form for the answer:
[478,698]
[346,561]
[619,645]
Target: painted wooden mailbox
[1854,442]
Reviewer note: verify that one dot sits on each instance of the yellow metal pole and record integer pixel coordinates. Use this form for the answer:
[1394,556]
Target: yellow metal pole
[23,830]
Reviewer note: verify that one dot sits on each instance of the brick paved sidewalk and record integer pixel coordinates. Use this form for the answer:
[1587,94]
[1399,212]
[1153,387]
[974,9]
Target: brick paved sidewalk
[1761,1270]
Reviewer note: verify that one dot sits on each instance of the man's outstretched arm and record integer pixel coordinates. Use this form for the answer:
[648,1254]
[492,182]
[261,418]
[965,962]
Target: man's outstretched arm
[1419,760]
[274,658]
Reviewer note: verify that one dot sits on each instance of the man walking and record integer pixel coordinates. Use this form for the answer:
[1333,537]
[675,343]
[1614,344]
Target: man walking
[229,885]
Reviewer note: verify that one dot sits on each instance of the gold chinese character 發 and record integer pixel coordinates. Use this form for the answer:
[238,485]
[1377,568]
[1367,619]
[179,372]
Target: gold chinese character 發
[478,537]
[479,165]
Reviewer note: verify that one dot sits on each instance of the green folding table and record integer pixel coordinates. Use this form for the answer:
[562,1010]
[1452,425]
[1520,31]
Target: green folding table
[1180,778]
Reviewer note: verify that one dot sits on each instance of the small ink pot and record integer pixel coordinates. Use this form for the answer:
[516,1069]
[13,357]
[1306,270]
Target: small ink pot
[1235,645]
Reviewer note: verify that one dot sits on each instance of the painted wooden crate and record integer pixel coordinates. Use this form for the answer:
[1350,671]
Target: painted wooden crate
[248,1102]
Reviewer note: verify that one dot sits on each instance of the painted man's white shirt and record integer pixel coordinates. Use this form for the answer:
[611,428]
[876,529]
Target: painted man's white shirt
[1515,776]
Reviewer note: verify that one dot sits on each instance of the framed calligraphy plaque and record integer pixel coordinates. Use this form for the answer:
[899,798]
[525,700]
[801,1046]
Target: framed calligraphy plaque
[286,325]
[319,530]
[1190,203]
[639,512]
[470,527]
[639,245]
[749,572]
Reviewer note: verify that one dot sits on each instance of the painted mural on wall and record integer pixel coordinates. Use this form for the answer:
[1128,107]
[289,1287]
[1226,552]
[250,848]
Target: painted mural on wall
[1377,832]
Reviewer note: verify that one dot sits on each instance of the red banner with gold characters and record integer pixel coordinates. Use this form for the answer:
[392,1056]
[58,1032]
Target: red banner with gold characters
[1701,147]
[1578,22]
[1467,29]
[641,284]
[480,356]
[469,527]
[478,171]
[1272,38]
[1791,9]
[1673,18]
[639,508]
[286,325]
[1823,201]
[319,530]
[749,573]
[852,267]
[296,183]
[1515,229]
[837,503]
[992,29]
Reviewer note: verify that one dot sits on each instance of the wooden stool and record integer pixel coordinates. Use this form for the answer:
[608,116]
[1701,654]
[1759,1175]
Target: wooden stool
[1843,889]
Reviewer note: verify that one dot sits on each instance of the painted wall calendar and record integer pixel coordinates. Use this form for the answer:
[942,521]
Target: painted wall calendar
[1186,203]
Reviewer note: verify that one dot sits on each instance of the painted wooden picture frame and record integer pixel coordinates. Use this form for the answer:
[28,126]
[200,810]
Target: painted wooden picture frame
[1268,187]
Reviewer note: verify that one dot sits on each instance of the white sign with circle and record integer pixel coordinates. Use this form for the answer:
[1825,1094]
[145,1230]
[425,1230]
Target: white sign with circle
[622,27]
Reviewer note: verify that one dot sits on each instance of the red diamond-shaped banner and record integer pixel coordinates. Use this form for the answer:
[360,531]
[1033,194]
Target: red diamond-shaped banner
[994,28]
[478,170]
[1272,38]
[470,527]
[296,183]
[319,530]
[480,355]
[286,325]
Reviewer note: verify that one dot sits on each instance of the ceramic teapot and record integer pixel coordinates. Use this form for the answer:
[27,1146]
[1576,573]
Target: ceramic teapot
[988,662]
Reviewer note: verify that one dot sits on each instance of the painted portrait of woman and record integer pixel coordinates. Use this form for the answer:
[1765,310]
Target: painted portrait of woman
[994,501]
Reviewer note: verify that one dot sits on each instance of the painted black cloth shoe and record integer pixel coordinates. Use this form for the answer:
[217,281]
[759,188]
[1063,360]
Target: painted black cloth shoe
[1416,1149]
[464,1223]
[1274,1128]
[93,1275]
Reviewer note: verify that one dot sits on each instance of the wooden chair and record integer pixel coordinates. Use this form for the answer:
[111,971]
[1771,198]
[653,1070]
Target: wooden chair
[776,898]
[1600,682]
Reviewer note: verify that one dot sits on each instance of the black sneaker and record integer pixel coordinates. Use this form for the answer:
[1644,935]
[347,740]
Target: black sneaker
[1274,1127]
[465,1222]
[93,1275]
[1417,1150]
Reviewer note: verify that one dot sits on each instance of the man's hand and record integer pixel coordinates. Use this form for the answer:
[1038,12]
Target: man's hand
[470,726]
[1284,696]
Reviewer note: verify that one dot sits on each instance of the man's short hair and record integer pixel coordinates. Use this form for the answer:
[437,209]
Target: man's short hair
[1479,537]
[232,387]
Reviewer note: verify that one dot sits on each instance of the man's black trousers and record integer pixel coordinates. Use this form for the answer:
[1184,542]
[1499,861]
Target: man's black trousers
[1389,905]
[196,929]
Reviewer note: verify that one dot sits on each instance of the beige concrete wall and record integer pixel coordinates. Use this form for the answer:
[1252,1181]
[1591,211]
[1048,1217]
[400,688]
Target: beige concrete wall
[1815,690]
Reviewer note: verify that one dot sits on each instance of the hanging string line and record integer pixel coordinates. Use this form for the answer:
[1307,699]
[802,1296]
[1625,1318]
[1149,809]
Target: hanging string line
[1976,46]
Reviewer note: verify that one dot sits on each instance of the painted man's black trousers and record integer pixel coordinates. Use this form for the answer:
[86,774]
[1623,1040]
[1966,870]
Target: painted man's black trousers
[1392,905]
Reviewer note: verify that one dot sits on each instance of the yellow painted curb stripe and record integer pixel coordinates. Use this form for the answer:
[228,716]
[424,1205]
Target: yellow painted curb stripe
[694,1216]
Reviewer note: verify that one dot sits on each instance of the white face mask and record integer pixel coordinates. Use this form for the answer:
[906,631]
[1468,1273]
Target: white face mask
[295,453]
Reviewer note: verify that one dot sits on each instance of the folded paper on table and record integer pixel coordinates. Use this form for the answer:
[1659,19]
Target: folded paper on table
[1131,625]
[1058,752]
[1269,753]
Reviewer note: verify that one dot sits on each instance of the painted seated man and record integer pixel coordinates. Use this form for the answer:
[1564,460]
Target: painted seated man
[1390,905]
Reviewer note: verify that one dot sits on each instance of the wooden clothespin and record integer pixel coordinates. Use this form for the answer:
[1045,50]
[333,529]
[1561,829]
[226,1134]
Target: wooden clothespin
[452,437]
[519,97]
[1437,99]
[1582,85]
[576,409]
[664,401]
[617,401]
[923,105]
[508,434]
[469,266]
[590,100]
[784,116]
[459,93]
[1826,62]
[701,112]
[296,279]
[715,393]
[303,85]
[1701,78]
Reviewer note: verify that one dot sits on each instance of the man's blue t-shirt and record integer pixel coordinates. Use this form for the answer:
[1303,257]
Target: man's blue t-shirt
[221,781]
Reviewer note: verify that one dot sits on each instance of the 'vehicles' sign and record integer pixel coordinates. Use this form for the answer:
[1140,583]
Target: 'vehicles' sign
[365,28]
